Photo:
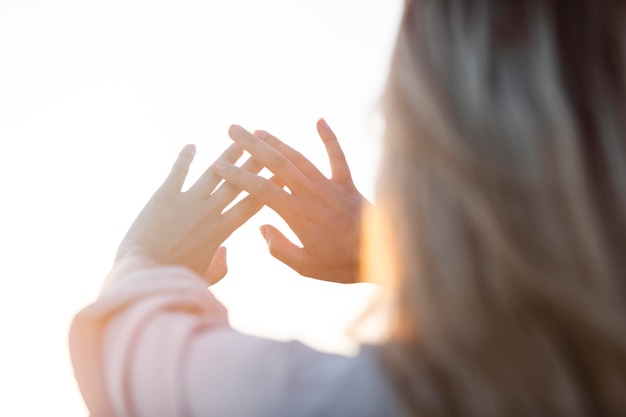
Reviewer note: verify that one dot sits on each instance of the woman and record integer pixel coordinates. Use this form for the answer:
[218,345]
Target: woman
[500,224]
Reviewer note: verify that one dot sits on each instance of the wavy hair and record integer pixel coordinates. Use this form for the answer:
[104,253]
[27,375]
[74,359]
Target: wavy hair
[503,180]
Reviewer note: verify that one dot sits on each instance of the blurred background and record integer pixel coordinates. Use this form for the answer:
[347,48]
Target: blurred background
[96,100]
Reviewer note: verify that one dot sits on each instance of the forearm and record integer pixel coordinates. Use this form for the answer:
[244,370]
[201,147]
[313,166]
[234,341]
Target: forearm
[141,302]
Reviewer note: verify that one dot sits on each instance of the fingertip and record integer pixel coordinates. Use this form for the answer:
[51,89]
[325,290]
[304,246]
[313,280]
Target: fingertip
[324,130]
[235,130]
[264,231]
[189,149]
[261,134]
[180,168]
[218,267]
[322,123]
[222,256]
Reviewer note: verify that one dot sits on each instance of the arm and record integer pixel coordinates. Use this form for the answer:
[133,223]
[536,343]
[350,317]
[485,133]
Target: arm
[158,343]
[175,229]
[324,213]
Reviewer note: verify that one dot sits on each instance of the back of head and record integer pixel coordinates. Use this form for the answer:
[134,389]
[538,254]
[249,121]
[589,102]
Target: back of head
[503,180]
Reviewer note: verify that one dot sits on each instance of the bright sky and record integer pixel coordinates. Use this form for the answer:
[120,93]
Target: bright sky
[97,98]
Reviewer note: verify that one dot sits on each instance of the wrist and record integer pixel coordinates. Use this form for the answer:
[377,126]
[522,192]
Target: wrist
[127,261]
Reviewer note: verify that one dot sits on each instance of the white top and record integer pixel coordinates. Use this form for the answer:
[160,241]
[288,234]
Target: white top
[158,343]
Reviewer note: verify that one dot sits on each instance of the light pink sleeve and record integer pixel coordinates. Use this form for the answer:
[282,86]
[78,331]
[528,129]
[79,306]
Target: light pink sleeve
[158,343]
[127,348]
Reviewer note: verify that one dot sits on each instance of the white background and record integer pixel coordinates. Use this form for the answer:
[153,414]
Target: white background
[97,98]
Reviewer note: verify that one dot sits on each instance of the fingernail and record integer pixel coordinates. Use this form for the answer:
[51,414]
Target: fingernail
[220,166]
[262,134]
[323,123]
[264,232]
[235,130]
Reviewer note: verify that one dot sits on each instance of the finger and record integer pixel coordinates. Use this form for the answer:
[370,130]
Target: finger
[269,157]
[208,180]
[217,268]
[266,191]
[338,165]
[227,192]
[283,249]
[180,169]
[303,164]
[242,211]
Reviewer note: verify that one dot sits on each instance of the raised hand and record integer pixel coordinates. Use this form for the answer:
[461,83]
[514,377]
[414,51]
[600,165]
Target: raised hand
[324,213]
[186,228]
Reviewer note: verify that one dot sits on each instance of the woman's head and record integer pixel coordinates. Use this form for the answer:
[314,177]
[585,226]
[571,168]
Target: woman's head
[503,182]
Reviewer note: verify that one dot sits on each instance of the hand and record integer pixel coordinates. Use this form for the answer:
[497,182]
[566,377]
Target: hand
[324,213]
[186,228]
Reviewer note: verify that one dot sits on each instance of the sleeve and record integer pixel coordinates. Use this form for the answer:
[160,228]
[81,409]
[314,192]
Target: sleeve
[127,347]
[158,343]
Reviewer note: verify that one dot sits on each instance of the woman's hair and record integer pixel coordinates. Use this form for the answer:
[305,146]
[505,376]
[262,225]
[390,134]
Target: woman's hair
[503,180]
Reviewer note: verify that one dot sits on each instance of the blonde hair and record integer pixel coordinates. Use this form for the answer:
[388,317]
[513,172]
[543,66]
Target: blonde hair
[503,179]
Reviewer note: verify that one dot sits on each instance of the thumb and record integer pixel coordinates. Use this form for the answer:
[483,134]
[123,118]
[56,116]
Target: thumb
[217,268]
[282,248]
